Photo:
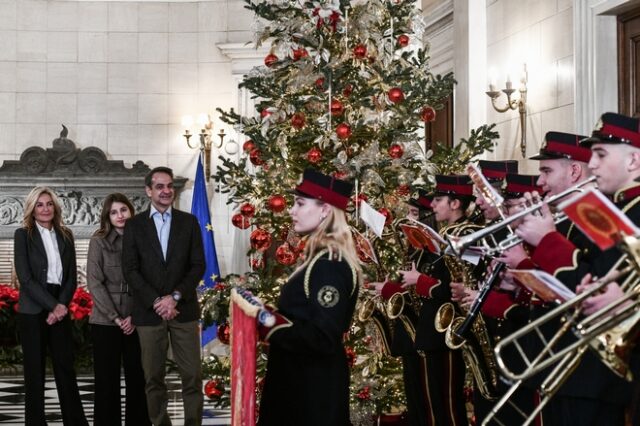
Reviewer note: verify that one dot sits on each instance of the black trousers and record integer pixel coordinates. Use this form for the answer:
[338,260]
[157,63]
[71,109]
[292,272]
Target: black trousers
[441,375]
[111,350]
[36,336]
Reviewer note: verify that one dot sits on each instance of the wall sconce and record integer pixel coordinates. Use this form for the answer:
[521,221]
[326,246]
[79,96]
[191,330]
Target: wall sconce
[206,128]
[513,104]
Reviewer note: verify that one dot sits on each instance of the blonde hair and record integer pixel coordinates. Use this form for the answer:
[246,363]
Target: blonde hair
[29,222]
[333,233]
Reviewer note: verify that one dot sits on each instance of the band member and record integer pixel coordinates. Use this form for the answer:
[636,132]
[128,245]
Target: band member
[443,368]
[593,394]
[404,324]
[307,380]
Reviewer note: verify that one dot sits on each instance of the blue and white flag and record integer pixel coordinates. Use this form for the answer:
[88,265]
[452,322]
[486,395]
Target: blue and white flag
[200,209]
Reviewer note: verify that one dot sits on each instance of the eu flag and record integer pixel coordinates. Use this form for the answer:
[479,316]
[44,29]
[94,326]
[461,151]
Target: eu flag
[200,209]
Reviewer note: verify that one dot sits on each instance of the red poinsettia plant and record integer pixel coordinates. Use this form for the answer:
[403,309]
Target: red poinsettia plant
[81,304]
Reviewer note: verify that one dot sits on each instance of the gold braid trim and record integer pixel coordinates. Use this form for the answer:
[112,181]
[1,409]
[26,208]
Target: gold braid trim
[307,274]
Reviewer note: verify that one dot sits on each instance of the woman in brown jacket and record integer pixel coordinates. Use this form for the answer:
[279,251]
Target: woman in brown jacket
[114,336]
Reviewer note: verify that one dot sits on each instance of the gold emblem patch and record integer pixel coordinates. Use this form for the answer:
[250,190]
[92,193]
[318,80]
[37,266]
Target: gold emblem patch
[328,296]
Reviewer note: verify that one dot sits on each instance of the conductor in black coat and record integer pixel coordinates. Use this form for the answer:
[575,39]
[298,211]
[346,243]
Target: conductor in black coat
[163,262]
[45,262]
[307,381]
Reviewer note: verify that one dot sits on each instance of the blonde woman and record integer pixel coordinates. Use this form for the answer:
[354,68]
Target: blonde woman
[45,262]
[307,381]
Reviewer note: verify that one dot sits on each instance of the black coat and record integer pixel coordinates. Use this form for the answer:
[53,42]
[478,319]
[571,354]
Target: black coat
[150,276]
[31,267]
[307,381]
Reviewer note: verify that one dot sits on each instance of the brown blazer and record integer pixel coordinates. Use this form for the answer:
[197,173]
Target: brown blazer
[109,290]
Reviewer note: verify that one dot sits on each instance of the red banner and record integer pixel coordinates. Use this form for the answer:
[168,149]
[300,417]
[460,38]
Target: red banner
[244,336]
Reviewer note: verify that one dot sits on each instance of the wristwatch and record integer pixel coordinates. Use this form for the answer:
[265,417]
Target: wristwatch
[176,295]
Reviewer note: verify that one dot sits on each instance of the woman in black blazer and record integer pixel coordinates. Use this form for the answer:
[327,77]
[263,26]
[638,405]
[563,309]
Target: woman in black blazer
[45,262]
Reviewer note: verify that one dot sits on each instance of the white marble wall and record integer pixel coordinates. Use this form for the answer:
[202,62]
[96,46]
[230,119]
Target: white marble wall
[540,33]
[120,75]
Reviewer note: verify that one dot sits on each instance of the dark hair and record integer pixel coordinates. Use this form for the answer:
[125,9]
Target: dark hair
[105,221]
[465,201]
[161,169]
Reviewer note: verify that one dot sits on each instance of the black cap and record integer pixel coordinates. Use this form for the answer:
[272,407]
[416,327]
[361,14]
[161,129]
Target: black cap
[325,188]
[497,170]
[454,185]
[615,128]
[517,185]
[422,201]
[563,145]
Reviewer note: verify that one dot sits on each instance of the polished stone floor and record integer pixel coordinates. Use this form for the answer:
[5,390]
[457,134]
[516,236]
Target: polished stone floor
[12,402]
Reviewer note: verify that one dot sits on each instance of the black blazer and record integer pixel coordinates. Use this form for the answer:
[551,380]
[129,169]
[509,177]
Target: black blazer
[150,276]
[31,264]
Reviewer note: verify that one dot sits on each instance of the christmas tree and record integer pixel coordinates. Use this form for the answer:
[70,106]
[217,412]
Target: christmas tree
[346,89]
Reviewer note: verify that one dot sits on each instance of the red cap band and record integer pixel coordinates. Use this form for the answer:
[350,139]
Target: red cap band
[575,152]
[622,133]
[323,194]
[456,189]
[424,202]
[494,174]
[518,187]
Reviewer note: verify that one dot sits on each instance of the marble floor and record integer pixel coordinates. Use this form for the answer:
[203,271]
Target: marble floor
[12,402]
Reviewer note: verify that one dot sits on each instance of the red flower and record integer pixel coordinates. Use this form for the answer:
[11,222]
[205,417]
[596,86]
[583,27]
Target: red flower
[81,304]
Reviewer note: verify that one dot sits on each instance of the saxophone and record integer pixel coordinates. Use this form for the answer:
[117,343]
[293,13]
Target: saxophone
[477,349]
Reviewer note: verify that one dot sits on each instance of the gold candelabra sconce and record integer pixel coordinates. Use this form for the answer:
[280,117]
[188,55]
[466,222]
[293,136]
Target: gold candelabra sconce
[206,139]
[513,104]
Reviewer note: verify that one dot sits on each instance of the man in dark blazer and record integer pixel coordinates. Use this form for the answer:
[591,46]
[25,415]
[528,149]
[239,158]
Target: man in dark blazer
[163,262]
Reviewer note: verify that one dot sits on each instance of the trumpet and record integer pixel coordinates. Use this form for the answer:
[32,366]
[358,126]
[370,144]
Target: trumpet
[460,244]
[610,332]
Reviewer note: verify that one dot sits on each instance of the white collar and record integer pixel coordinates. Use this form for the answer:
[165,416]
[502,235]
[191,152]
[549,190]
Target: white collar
[43,229]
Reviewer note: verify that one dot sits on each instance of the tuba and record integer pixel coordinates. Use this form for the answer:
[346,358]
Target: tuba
[477,349]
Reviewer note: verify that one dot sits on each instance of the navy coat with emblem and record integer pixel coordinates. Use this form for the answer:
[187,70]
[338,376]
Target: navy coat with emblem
[307,381]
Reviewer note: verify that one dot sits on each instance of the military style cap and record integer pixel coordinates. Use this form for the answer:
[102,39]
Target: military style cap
[497,170]
[615,128]
[563,145]
[517,185]
[455,185]
[325,188]
[423,201]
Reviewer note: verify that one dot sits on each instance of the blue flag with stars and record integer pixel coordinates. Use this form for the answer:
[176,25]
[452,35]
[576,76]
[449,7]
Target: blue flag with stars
[200,209]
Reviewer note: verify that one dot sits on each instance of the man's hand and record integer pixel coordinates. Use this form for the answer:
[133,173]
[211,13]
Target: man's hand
[535,226]
[166,308]
[598,301]
[469,298]
[410,277]
[458,291]
[376,287]
[513,257]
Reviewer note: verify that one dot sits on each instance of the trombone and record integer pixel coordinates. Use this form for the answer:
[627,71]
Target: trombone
[460,244]
[609,332]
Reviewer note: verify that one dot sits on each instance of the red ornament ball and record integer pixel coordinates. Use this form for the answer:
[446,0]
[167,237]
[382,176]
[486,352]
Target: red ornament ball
[260,239]
[248,146]
[428,114]
[320,83]
[277,203]
[265,113]
[298,120]
[336,107]
[255,156]
[270,59]
[338,174]
[240,221]
[247,210]
[396,95]
[224,333]
[214,389]
[360,51]
[314,155]
[396,151]
[403,40]
[387,214]
[348,89]
[300,53]
[343,130]
[284,255]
